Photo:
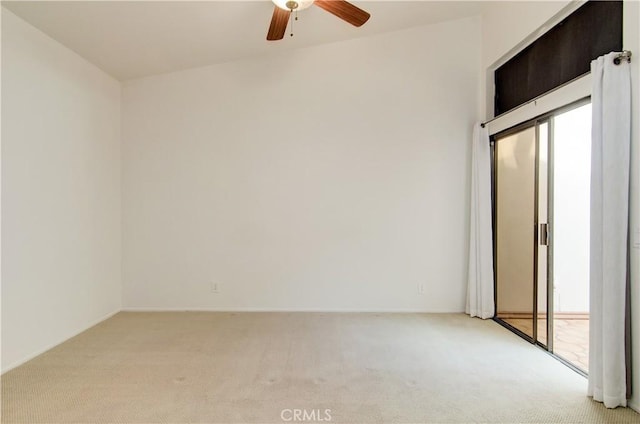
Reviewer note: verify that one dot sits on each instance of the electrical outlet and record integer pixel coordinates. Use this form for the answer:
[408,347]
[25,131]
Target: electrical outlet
[420,288]
[215,287]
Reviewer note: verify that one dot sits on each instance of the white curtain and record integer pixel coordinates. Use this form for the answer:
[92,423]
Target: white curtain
[611,137]
[480,291]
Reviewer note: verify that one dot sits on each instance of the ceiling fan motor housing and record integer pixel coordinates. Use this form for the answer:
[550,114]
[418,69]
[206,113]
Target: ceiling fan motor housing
[293,4]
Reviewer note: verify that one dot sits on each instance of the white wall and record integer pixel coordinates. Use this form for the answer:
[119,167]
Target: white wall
[505,25]
[61,247]
[327,178]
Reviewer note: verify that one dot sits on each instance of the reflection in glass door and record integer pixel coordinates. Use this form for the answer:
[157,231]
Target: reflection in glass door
[520,194]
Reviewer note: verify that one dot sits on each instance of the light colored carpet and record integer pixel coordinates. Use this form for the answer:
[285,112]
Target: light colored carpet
[247,367]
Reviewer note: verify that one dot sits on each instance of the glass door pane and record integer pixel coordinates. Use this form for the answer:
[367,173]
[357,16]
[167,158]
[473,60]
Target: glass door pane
[571,232]
[515,191]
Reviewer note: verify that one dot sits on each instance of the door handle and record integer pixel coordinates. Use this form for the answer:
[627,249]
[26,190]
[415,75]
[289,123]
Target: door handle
[544,234]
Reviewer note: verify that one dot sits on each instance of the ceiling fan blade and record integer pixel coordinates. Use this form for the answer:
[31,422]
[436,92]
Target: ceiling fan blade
[278,25]
[345,11]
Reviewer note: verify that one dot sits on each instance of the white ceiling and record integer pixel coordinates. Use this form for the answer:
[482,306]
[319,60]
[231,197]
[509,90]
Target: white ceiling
[137,38]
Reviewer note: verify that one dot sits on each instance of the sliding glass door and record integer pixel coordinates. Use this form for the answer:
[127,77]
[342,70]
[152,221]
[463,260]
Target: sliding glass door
[520,193]
[541,231]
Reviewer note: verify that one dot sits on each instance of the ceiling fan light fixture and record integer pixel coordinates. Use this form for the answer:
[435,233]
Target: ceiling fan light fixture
[293,5]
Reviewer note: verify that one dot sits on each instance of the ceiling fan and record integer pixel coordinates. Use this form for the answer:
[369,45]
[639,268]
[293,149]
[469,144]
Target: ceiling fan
[283,9]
